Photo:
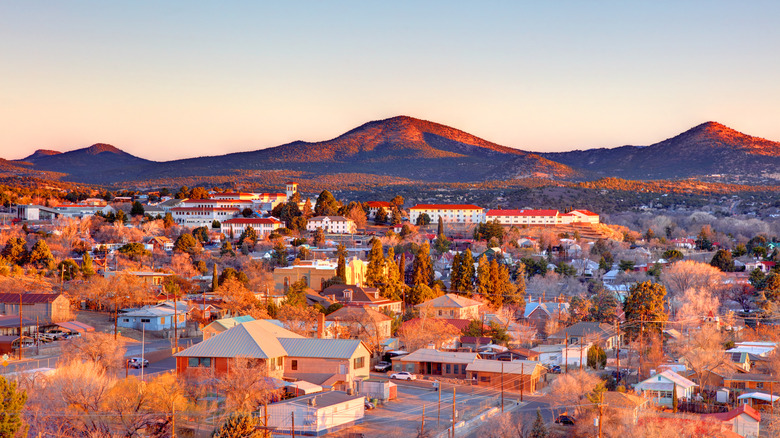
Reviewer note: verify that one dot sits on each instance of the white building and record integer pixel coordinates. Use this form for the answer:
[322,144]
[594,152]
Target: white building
[453,213]
[332,224]
[374,206]
[524,217]
[263,226]
[317,414]
[660,387]
[580,216]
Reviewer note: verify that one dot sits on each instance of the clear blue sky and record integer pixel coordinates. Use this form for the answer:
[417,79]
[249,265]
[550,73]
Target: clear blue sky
[173,79]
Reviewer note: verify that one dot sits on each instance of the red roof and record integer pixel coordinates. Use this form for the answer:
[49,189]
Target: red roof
[445,207]
[378,204]
[250,221]
[522,213]
[291,182]
[204,208]
[585,212]
[460,324]
[214,201]
[727,416]
[29,298]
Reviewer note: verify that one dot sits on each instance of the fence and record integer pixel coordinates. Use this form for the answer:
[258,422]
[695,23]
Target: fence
[28,365]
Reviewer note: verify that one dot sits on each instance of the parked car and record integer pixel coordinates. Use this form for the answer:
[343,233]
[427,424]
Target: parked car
[555,369]
[403,375]
[382,366]
[136,362]
[368,405]
[566,420]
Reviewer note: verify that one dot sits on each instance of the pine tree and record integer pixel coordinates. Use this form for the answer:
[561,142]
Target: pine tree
[440,227]
[395,218]
[41,256]
[381,216]
[483,277]
[539,429]
[307,211]
[239,425]
[644,308]
[517,295]
[12,401]
[214,279]
[227,249]
[422,270]
[455,272]
[393,286]
[319,237]
[15,251]
[326,204]
[374,270]
[341,267]
[494,288]
[87,269]
[466,284]
[402,267]
[137,209]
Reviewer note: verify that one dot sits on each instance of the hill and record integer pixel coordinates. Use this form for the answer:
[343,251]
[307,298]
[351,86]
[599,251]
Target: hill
[705,150]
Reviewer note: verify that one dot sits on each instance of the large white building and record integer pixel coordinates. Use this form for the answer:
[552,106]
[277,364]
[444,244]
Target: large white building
[449,213]
[541,217]
[332,224]
[263,226]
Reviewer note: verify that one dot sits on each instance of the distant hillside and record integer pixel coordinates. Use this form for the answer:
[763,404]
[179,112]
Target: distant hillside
[707,149]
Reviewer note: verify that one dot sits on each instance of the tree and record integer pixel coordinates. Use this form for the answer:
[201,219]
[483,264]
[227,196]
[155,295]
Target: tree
[41,256]
[393,287]
[87,270]
[703,350]
[422,269]
[201,233]
[539,429]
[137,209]
[232,274]
[227,249]
[381,216]
[168,221]
[280,253]
[597,358]
[723,261]
[375,269]
[424,331]
[397,201]
[626,265]
[319,237]
[199,193]
[100,348]
[216,225]
[605,307]
[68,269]
[566,269]
[187,243]
[704,239]
[421,293]
[687,274]
[326,204]
[423,219]
[239,425]
[466,275]
[341,266]
[757,278]
[12,401]
[697,303]
[135,251]
[296,294]
[455,272]
[395,217]
[644,308]
[672,255]
[483,276]
[249,235]
[247,212]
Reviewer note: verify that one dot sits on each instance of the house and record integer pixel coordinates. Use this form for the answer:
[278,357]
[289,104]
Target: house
[255,341]
[9,326]
[150,278]
[538,313]
[46,307]
[263,226]
[549,355]
[161,244]
[452,213]
[220,325]
[660,387]
[152,318]
[580,216]
[587,332]
[353,295]
[761,349]
[517,375]
[519,354]
[317,272]
[524,217]
[451,306]
[374,206]
[624,402]
[361,320]
[744,420]
[338,363]
[759,400]
[332,224]
[473,343]
[316,414]
[432,362]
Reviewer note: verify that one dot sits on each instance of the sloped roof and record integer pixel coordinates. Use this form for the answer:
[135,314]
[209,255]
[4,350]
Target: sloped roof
[585,329]
[445,207]
[249,339]
[431,355]
[28,298]
[743,409]
[252,221]
[623,400]
[548,308]
[321,348]
[450,300]
[353,313]
[668,375]
[460,324]
[522,213]
[228,323]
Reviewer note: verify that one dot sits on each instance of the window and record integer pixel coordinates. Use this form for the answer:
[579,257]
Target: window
[359,362]
[447,368]
[162,320]
[738,385]
[760,385]
[199,362]
[126,319]
[294,365]
[455,369]
[145,320]
[485,379]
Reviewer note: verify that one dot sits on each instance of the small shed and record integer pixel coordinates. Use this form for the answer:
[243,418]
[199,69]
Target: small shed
[383,390]
[722,395]
[302,388]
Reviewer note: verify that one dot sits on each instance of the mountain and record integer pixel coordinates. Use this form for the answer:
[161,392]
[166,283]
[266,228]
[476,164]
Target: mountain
[707,149]
[98,163]
[401,147]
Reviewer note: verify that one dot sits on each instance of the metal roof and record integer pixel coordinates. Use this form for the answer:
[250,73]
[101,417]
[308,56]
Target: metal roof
[28,298]
[249,339]
[322,348]
[450,300]
[527,367]
[670,376]
[431,355]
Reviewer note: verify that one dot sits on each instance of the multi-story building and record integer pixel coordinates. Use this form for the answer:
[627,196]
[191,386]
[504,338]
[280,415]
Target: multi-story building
[332,224]
[374,206]
[263,226]
[580,216]
[524,217]
[452,213]
[317,272]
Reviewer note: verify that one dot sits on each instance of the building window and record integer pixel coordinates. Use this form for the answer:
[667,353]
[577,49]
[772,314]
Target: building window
[143,320]
[485,379]
[162,320]
[760,385]
[359,362]
[294,365]
[455,369]
[199,362]
[126,320]
[447,368]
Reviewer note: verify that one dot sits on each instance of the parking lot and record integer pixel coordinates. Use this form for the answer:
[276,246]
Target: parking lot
[402,417]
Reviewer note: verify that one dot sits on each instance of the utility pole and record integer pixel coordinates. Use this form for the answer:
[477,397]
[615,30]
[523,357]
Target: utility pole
[502,387]
[618,352]
[173,417]
[438,413]
[292,414]
[453,412]
[21,332]
[566,352]
[422,425]
[522,379]
[579,345]
[265,419]
[175,324]
[601,405]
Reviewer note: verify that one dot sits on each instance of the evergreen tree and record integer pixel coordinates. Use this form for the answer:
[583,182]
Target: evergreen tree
[168,221]
[214,279]
[120,217]
[137,209]
[341,268]
[723,261]
[216,225]
[644,308]
[393,286]
[249,235]
[326,204]
[381,216]
[517,295]
[227,249]
[308,210]
[597,357]
[402,267]
[374,271]
[15,251]
[422,269]
[423,219]
[280,253]
[466,276]
[201,233]
[319,237]
[421,293]
[440,227]
[186,243]
[539,429]
[41,256]
[493,287]
[455,272]
[395,217]
[12,401]
[296,294]
[483,276]
[87,270]
[239,425]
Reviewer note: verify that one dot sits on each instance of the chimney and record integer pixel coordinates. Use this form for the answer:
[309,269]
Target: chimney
[321,325]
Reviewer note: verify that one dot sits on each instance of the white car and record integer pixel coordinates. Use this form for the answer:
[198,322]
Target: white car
[403,375]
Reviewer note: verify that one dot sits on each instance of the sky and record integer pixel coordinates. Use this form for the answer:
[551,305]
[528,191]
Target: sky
[176,79]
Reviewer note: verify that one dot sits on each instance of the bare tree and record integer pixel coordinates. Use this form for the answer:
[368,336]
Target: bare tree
[426,331]
[570,389]
[100,349]
[301,320]
[246,387]
[703,351]
[686,274]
